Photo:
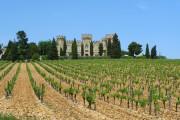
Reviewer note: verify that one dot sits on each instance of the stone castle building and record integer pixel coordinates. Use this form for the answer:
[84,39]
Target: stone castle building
[85,40]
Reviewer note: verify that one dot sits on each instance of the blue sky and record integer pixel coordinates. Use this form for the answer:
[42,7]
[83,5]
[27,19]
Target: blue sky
[156,22]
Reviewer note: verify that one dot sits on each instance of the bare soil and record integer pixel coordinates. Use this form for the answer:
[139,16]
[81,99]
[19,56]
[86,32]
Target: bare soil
[23,104]
[4,81]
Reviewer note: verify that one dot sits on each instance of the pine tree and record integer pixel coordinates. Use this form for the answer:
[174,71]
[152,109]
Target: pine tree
[82,49]
[109,47]
[116,47]
[53,53]
[147,51]
[64,48]
[154,52]
[100,49]
[91,49]
[74,50]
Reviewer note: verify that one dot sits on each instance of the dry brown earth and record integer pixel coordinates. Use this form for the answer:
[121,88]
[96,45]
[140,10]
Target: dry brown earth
[23,104]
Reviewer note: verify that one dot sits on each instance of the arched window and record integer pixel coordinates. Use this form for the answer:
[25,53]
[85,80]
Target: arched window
[86,46]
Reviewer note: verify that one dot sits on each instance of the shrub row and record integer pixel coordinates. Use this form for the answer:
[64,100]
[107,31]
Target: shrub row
[6,71]
[3,65]
[57,86]
[39,90]
[88,93]
[11,83]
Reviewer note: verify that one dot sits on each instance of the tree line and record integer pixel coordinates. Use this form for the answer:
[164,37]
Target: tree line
[20,49]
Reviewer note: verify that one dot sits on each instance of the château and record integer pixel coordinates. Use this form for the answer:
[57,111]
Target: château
[86,39]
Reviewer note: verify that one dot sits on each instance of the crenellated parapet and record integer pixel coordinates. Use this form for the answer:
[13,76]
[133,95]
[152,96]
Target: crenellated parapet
[86,37]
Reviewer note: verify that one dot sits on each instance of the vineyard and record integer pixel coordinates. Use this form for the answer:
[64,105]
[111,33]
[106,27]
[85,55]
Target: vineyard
[91,90]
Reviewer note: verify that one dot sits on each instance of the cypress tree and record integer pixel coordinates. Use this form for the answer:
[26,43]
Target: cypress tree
[82,49]
[64,47]
[147,51]
[100,49]
[91,49]
[116,47]
[53,52]
[1,49]
[61,52]
[74,50]
[154,52]
[109,47]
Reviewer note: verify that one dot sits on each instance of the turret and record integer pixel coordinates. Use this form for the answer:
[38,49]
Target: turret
[60,43]
[86,39]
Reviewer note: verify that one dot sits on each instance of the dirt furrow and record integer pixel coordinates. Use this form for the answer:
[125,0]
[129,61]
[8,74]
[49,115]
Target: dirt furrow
[4,81]
[62,106]
[2,71]
[23,104]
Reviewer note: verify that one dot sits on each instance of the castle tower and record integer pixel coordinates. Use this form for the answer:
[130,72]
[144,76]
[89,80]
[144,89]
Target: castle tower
[105,41]
[86,39]
[60,43]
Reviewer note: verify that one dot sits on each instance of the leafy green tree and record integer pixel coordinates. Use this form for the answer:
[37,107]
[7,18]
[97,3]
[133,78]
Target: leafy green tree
[44,47]
[53,53]
[116,47]
[11,52]
[35,56]
[134,49]
[82,49]
[109,47]
[154,52]
[100,49]
[32,49]
[22,45]
[8,48]
[147,51]
[91,49]
[74,50]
